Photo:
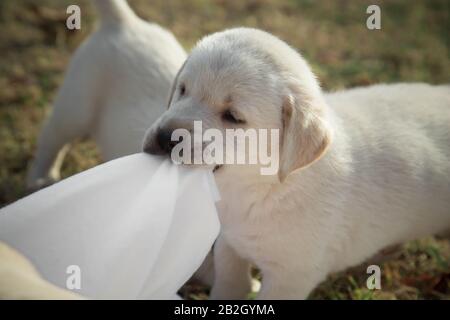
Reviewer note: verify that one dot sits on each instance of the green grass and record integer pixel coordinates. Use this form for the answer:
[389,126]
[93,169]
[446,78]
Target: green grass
[413,45]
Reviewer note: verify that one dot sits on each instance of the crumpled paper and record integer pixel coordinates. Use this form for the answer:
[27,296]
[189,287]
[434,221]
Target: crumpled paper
[133,228]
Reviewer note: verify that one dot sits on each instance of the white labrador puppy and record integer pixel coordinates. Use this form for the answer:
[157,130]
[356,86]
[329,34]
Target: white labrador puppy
[360,169]
[117,83]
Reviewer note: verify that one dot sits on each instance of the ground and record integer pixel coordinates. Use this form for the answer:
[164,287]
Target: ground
[412,45]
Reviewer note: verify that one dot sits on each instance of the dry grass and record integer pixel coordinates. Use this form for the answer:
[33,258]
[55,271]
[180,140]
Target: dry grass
[413,45]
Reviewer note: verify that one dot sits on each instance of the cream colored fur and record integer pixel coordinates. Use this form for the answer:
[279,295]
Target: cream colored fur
[20,280]
[116,85]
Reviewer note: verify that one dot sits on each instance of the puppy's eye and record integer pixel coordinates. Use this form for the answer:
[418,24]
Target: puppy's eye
[229,116]
[182,89]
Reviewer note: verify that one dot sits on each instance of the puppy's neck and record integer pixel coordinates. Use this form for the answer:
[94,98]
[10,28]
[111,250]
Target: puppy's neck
[240,188]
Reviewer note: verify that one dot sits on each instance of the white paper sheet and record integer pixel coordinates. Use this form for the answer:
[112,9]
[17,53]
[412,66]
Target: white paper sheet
[137,227]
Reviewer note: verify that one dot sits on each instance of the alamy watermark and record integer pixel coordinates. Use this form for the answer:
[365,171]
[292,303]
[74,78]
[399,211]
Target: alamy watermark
[73,21]
[234,146]
[373,22]
[73,281]
[374,280]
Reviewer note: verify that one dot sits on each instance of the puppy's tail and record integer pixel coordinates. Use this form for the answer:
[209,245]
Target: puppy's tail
[114,11]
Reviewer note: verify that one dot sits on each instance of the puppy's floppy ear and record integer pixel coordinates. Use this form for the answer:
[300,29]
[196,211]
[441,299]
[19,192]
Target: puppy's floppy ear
[306,132]
[174,84]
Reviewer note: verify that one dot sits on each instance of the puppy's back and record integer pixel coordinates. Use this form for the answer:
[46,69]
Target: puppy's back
[399,142]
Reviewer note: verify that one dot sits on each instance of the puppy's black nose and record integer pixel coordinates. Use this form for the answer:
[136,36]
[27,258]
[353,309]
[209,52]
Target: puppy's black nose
[164,141]
[161,143]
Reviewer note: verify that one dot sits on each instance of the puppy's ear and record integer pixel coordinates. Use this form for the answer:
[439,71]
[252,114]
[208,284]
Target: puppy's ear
[306,133]
[174,84]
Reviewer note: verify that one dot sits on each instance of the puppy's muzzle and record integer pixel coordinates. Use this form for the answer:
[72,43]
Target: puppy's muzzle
[160,143]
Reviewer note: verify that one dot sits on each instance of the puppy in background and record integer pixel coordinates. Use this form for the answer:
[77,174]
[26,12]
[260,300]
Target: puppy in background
[117,82]
[360,169]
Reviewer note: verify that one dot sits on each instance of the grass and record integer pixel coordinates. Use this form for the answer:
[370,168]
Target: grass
[413,45]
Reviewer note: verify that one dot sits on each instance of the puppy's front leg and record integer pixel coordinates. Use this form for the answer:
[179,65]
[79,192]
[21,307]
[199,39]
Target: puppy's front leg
[297,284]
[231,273]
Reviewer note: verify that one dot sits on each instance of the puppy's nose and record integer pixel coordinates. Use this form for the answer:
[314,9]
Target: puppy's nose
[164,138]
[162,144]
